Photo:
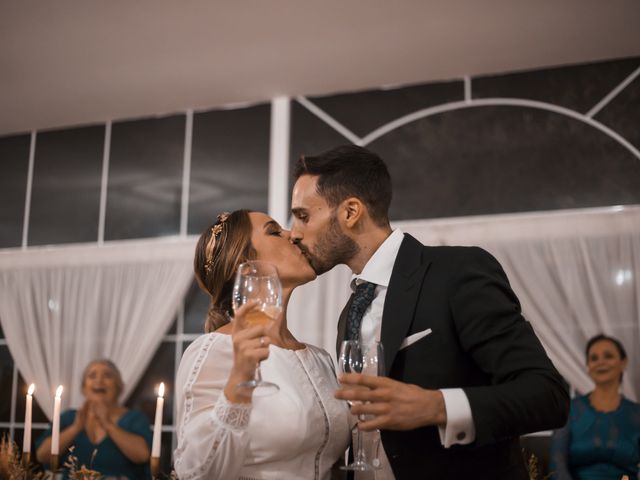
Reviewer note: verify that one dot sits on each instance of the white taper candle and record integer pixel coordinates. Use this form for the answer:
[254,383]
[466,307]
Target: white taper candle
[26,442]
[157,426]
[55,430]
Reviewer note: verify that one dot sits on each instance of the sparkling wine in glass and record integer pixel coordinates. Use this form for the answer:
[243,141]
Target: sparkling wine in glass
[352,360]
[258,281]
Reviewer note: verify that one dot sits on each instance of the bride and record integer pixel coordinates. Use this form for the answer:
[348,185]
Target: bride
[223,433]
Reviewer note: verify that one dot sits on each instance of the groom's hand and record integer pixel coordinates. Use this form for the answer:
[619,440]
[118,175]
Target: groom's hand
[394,405]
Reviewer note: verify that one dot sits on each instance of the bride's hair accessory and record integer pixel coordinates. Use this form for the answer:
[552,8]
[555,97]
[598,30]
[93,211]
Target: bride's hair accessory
[216,230]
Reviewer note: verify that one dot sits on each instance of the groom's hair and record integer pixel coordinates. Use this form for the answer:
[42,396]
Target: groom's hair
[350,171]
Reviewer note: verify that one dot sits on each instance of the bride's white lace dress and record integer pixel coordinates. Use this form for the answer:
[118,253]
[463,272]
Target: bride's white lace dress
[297,433]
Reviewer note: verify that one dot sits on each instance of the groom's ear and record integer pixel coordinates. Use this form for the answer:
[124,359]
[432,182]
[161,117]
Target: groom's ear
[352,211]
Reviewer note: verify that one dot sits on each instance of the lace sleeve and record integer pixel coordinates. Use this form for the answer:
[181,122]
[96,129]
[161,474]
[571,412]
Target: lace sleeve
[212,432]
[232,415]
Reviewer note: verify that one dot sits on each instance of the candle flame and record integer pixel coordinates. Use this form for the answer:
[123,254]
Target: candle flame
[59,391]
[161,389]
[32,388]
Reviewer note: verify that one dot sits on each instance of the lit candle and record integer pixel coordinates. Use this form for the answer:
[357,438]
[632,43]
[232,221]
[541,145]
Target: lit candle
[26,443]
[157,426]
[55,434]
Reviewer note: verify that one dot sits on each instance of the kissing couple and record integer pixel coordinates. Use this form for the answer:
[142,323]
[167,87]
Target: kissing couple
[465,373]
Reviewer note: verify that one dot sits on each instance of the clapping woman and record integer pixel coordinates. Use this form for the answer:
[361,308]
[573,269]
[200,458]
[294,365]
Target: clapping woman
[106,436]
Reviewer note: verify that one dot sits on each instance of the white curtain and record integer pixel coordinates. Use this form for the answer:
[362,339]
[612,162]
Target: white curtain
[575,272]
[62,307]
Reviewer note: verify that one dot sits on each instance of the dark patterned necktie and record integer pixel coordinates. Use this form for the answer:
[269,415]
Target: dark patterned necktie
[361,300]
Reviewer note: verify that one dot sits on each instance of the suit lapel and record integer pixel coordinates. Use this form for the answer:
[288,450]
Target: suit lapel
[405,284]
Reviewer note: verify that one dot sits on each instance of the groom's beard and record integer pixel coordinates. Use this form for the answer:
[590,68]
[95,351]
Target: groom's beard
[333,248]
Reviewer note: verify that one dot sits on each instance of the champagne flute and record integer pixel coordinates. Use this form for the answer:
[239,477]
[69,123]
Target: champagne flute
[374,365]
[352,360]
[258,281]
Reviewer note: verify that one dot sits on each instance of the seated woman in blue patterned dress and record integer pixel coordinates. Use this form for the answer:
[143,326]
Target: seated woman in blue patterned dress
[601,440]
[106,436]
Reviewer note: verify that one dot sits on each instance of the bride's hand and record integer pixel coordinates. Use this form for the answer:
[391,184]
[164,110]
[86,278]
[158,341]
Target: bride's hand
[250,347]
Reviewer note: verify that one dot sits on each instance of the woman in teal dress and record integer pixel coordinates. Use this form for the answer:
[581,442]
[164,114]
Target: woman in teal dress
[601,440]
[105,436]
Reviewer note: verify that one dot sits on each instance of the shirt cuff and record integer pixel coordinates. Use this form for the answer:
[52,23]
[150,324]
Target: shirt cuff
[232,415]
[459,429]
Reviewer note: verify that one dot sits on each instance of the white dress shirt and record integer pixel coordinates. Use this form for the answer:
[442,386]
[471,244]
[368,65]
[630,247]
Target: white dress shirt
[460,428]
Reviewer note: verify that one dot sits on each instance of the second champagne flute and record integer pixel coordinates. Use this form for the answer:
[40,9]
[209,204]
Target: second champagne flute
[374,365]
[352,360]
[258,281]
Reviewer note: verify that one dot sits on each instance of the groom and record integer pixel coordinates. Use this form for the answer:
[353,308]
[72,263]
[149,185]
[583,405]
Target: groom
[466,373]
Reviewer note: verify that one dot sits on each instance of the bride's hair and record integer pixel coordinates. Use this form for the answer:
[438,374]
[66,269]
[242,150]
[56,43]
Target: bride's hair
[221,248]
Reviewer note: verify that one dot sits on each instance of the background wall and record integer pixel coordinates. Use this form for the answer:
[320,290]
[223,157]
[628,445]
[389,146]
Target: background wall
[567,137]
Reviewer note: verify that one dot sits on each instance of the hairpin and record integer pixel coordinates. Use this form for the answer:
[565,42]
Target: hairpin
[215,233]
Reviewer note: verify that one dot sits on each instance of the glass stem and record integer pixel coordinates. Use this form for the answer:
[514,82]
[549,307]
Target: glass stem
[258,375]
[360,455]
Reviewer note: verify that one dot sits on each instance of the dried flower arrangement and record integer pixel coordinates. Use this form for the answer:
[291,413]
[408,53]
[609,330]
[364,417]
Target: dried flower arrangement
[12,465]
[534,471]
[81,472]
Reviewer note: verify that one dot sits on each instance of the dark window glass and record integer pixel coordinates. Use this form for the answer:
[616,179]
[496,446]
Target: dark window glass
[622,114]
[363,112]
[577,87]
[6,381]
[38,415]
[229,163]
[513,159]
[196,306]
[65,200]
[160,369]
[14,158]
[145,178]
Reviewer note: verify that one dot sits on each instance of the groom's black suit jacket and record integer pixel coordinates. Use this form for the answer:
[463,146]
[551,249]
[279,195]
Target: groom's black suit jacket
[479,342]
